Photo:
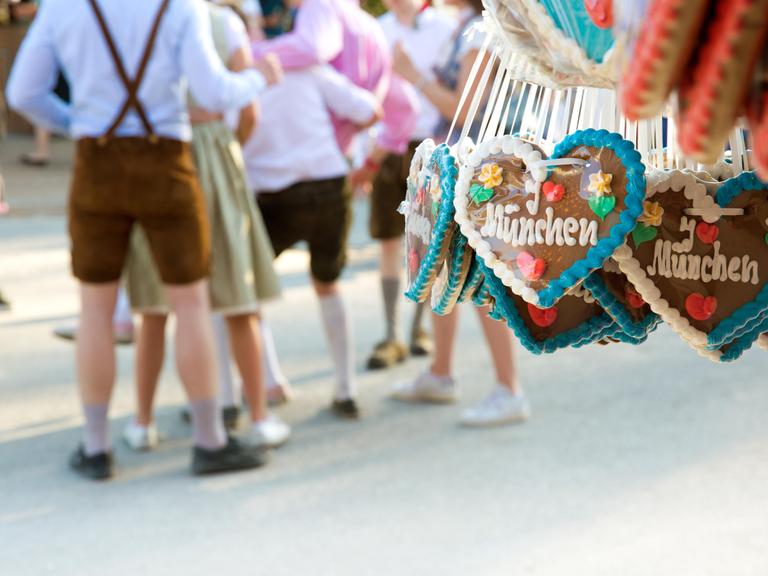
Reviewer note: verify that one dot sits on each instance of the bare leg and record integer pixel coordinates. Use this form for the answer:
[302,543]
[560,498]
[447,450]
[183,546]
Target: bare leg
[245,342]
[499,338]
[95,355]
[94,345]
[42,143]
[445,328]
[195,357]
[150,355]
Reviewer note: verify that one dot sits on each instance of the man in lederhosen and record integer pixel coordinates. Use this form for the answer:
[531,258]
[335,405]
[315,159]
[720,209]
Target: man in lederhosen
[127,63]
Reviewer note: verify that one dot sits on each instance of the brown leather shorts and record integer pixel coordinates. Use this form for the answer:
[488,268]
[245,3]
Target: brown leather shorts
[388,192]
[121,181]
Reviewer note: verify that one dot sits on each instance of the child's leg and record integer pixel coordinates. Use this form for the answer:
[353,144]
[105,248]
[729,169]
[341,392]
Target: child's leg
[246,350]
[150,355]
[96,362]
[445,329]
[338,332]
[229,390]
[196,361]
[500,343]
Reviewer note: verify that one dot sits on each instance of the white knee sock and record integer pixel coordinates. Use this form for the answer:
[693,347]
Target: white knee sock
[339,334]
[273,372]
[229,391]
[122,315]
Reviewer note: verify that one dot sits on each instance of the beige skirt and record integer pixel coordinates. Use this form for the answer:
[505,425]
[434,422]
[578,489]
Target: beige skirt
[241,253]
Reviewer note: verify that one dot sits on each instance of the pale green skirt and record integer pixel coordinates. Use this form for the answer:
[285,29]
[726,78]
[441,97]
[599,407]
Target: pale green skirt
[241,252]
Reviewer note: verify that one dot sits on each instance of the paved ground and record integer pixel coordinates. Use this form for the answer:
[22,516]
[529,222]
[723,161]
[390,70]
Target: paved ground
[638,461]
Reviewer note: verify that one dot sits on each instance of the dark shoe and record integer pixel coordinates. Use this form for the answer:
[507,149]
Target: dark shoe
[234,456]
[421,343]
[346,409]
[32,160]
[386,354]
[96,467]
[230,415]
[4,304]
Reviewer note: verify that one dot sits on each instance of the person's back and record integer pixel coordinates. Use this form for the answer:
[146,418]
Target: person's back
[295,139]
[70,30]
[125,61]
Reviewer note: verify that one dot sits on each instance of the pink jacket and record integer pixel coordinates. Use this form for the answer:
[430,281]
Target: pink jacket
[339,32]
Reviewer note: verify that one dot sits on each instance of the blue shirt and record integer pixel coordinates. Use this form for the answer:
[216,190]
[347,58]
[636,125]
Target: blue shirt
[66,35]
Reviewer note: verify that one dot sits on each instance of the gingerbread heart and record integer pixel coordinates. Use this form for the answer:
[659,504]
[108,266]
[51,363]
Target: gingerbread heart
[541,248]
[613,290]
[575,320]
[450,281]
[711,293]
[428,210]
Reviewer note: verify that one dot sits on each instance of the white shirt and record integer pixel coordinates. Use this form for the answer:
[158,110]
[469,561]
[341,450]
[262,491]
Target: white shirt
[295,141]
[424,43]
[66,34]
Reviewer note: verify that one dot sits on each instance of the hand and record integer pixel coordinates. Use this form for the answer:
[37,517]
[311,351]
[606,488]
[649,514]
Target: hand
[270,68]
[403,66]
[378,114]
[361,180]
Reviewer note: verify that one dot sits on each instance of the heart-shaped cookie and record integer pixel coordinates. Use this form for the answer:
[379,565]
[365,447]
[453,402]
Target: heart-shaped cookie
[428,210]
[576,320]
[474,280]
[541,248]
[450,281]
[620,298]
[710,293]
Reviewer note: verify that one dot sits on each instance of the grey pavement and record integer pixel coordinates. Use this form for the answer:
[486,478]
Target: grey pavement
[638,460]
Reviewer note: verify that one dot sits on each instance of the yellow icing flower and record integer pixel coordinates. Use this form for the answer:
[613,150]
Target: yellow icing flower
[600,183]
[491,175]
[652,213]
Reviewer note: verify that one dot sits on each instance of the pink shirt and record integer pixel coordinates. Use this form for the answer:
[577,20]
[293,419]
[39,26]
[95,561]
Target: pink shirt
[339,32]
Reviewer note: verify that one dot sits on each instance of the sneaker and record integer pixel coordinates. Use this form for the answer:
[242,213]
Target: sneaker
[140,438]
[498,408]
[232,457]
[421,343]
[279,394]
[271,432]
[96,467]
[426,388]
[386,354]
[123,333]
[346,409]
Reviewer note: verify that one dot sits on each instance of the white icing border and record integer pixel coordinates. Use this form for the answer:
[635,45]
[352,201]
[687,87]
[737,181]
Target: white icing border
[659,183]
[509,146]
[420,159]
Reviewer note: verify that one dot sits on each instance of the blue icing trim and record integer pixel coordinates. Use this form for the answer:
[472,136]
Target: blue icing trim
[457,276]
[635,194]
[482,297]
[593,40]
[744,343]
[588,332]
[444,227]
[742,318]
[618,311]
[474,280]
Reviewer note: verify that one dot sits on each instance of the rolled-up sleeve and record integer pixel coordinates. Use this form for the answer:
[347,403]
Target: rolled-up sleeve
[33,78]
[317,38]
[213,86]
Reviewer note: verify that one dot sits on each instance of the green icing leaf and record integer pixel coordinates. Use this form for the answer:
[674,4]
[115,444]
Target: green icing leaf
[479,194]
[602,205]
[643,233]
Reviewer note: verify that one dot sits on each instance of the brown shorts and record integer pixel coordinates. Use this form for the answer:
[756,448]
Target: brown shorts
[389,188]
[126,180]
[318,212]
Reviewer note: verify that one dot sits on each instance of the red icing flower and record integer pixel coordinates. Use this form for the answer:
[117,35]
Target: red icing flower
[707,233]
[413,261]
[633,298]
[700,307]
[532,268]
[542,317]
[553,192]
[600,12]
